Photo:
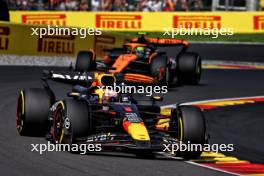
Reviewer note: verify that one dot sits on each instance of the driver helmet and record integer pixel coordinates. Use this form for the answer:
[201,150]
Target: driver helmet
[109,95]
[139,50]
[125,98]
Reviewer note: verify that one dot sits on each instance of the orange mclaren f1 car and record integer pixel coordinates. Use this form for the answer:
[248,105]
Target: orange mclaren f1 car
[141,61]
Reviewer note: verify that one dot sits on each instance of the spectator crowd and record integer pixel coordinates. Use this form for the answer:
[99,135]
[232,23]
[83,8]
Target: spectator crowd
[108,5]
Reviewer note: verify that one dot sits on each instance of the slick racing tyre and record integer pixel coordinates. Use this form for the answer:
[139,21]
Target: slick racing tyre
[32,111]
[85,61]
[159,69]
[71,120]
[191,130]
[189,68]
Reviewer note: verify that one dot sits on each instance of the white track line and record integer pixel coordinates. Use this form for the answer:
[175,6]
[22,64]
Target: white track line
[212,168]
[197,164]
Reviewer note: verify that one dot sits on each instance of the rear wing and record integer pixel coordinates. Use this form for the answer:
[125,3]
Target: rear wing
[77,78]
[163,41]
[73,78]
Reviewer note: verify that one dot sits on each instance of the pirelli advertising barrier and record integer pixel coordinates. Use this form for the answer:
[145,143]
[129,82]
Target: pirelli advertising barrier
[241,22]
[20,39]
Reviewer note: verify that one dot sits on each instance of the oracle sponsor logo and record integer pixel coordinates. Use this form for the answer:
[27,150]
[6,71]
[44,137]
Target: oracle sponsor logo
[4,40]
[103,42]
[258,22]
[116,21]
[56,44]
[196,21]
[44,19]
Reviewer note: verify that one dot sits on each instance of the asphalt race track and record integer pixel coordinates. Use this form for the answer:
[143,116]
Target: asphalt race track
[241,125]
[225,125]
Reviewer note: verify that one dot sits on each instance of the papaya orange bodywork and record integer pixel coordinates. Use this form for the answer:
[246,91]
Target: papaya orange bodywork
[138,78]
[122,61]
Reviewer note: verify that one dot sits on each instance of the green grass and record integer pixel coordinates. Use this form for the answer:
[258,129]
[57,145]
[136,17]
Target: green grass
[232,38]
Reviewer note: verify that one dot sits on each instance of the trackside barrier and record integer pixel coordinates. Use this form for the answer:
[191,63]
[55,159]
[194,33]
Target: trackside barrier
[17,39]
[241,22]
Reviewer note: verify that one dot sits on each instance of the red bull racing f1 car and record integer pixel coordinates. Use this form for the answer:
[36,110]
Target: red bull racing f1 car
[99,116]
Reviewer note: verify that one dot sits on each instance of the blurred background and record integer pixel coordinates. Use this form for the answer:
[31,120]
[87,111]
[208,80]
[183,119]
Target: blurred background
[137,5]
[244,17]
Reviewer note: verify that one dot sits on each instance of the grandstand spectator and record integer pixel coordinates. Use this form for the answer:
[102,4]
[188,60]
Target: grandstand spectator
[118,5]
[84,6]
[157,5]
[181,5]
[143,6]
[111,5]
[71,5]
[195,5]
[131,5]
[106,5]
[61,6]
[149,5]
[95,5]
[168,5]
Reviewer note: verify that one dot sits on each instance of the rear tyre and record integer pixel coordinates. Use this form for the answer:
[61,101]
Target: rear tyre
[159,69]
[191,130]
[32,111]
[189,68]
[85,61]
[72,120]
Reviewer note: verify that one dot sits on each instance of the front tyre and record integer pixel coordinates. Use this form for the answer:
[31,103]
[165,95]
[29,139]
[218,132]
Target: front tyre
[32,111]
[71,120]
[85,61]
[191,130]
